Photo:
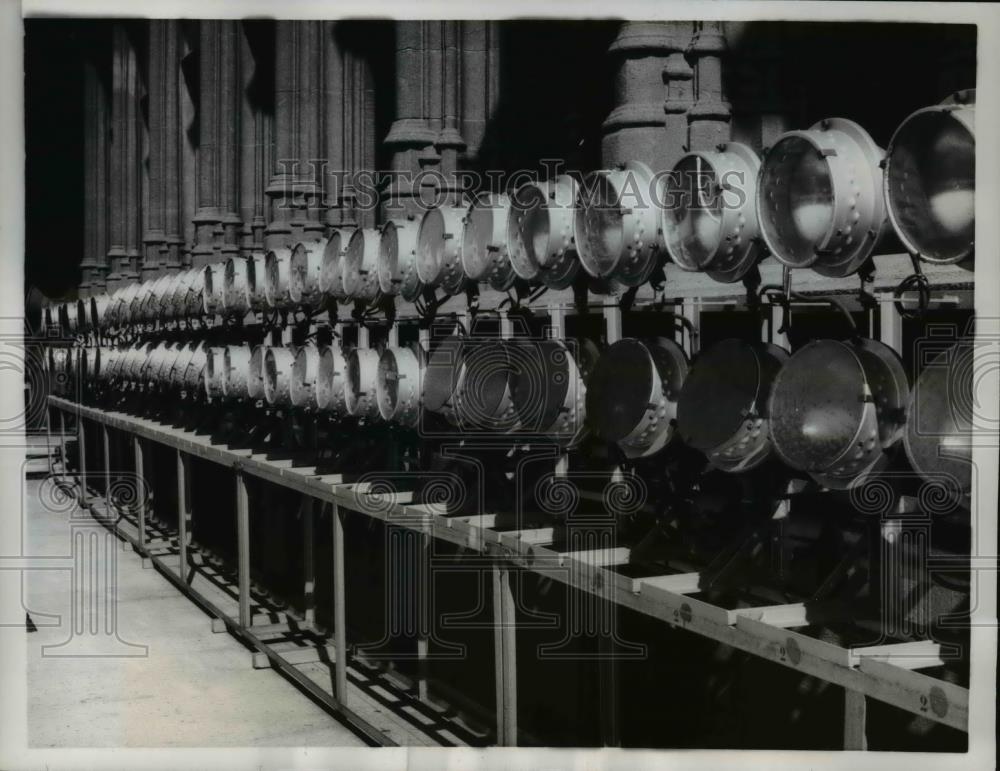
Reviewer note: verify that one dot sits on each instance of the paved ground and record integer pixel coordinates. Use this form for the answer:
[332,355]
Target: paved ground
[189,688]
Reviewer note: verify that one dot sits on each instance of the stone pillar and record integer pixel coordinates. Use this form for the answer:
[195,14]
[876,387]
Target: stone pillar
[649,60]
[480,86]
[172,248]
[296,185]
[230,109]
[411,137]
[162,237]
[431,68]
[124,180]
[256,112]
[217,220]
[759,115]
[94,266]
[349,120]
[679,78]
[188,162]
[710,117]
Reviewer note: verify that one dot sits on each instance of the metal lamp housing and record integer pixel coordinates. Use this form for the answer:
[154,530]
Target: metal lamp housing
[540,232]
[836,406]
[278,362]
[709,216]
[305,371]
[633,393]
[439,248]
[360,265]
[304,271]
[399,385]
[723,406]
[235,370]
[930,180]
[397,259]
[819,197]
[617,227]
[277,271]
[361,378]
[331,381]
[331,279]
[485,254]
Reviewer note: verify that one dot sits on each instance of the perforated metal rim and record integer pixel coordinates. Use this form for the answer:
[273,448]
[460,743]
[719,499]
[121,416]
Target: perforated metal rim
[485,253]
[897,180]
[940,418]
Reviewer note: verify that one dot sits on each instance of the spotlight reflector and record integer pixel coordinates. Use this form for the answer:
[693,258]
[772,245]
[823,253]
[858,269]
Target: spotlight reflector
[360,265]
[331,394]
[836,406]
[723,407]
[633,393]
[277,270]
[930,180]
[540,232]
[439,246]
[362,376]
[278,362]
[819,197]
[399,385]
[331,277]
[305,371]
[485,255]
[303,277]
[710,212]
[397,259]
[617,224]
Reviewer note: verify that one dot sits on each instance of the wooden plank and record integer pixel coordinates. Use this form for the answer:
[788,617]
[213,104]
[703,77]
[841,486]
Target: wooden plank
[339,607]
[309,654]
[308,560]
[81,441]
[939,700]
[243,548]
[183,511]
[481,521]
[793,614]
[538,535]
[855,717]
[680,609]
[505,660]
[920,654]
[140,480]
[792,647]
[678,583]
[618,555]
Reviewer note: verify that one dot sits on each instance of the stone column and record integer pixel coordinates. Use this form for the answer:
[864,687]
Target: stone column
[411,137]
[349,120]
[124,180]
[296,184]
[188,162]
[710,117]
[162,237]
[94,266]
[172,248]
[431,87]
[217,220]
[679,78]
[759,115]
[480,86]
[230,109]
[256,113]
[652,78]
